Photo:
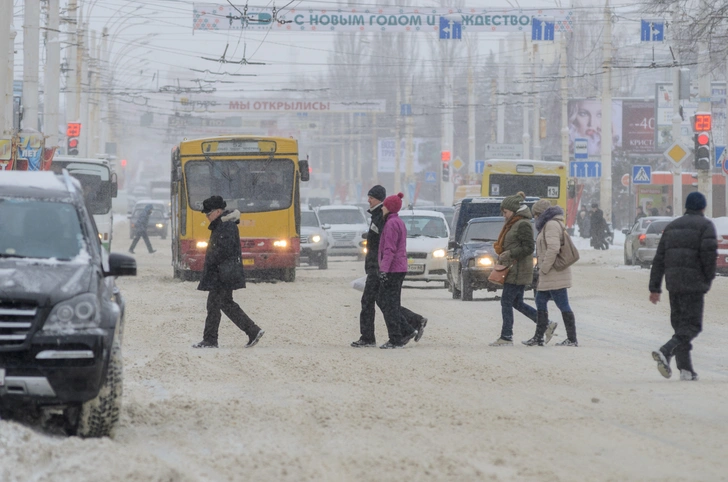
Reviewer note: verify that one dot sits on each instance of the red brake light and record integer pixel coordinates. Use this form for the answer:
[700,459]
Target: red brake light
[642,238]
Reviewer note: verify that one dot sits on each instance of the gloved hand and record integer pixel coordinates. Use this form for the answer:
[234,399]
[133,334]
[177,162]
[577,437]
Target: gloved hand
[382,277]
[505,258]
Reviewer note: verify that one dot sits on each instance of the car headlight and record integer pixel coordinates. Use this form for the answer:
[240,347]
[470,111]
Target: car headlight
[439,253]
[159,225]
[315,238]
[535,261]
[201,245]
[79,312]
[280,243]
[101,238]
[485,261]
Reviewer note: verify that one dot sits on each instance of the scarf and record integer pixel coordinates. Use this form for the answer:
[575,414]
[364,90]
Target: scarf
[547,216]
[498,246]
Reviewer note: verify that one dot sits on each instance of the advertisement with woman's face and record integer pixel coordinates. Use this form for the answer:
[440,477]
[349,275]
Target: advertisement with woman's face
[585,122]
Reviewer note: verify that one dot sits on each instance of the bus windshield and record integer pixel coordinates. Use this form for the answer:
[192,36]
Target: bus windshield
[246,185]
[535,185]
[95,180]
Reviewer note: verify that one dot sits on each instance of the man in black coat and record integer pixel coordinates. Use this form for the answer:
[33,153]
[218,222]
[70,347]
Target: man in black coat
[686,257]
[222,273]
[376,197]
[140,230]
[598,228]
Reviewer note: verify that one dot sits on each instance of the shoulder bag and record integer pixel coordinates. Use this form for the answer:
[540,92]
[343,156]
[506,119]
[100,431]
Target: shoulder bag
[568,254]
[499,274]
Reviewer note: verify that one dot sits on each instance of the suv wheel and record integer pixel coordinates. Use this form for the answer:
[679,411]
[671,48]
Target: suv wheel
[323,262]
[467,290]
[455,291]
[99,416]
[627,261]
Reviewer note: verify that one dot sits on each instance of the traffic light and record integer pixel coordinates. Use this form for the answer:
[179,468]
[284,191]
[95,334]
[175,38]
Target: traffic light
[702,151]
[73,131]
[445,172]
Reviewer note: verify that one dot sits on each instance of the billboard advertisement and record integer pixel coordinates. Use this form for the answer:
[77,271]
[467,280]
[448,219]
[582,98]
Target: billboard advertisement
[638,126]
[585,122]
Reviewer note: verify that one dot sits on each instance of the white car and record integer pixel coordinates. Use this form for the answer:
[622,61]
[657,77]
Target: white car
[346,225]
[314,240]
[427,236]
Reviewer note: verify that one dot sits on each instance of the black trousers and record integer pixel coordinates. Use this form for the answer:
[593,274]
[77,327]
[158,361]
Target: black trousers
[222,301]
[389,300]
[686,317]
[145,236]
[368,309]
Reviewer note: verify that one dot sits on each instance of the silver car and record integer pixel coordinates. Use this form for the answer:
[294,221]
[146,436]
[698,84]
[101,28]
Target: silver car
[640,244]
[314,240]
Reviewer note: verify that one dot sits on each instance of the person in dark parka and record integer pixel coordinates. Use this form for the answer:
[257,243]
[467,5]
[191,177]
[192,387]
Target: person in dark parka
[686,257]
[222,273]
[598,228]
[376,197]
[140,230]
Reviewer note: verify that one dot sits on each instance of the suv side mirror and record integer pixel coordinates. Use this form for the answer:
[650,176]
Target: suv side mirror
[626,231]
[121,265]
[325,226]
[364,235]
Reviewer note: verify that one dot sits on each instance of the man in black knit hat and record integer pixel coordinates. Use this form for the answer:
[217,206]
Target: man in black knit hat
[376,196]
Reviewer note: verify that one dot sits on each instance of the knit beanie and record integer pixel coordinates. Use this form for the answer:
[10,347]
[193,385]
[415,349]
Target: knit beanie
[540,206]
[695,201]
[394,203]
[378,192]
[513,203]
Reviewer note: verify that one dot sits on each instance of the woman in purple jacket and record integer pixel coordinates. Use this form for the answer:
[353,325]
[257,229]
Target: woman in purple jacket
[392,270]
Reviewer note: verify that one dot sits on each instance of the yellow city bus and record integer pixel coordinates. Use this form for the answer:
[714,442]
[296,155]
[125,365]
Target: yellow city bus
[258,176]
[543,179]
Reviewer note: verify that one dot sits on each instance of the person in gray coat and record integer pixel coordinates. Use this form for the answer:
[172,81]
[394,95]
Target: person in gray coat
[686,257]
[222,273]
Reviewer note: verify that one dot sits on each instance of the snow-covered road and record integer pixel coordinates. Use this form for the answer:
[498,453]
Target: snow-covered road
[303,405]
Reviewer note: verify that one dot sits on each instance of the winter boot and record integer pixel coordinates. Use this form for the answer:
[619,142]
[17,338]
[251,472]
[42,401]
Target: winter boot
[663,363]
[688,376]
[421,329]
[542,322]
[570,326]
[362,343]
[502,342]
[550,329]
[254,338]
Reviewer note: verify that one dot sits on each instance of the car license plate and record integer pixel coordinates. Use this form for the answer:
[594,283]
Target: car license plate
[248,261]
[2,377]
[345,244]
[416,268]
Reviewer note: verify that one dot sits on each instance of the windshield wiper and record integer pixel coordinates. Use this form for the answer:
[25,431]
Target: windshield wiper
[5,255]
[482,239]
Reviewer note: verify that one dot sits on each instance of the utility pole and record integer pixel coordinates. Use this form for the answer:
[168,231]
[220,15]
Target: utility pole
[410,131]
[677,194]
[726,142]
[397,144]
[104,98]
[84,138]
[502,66]
[359,121]
[6,17]
[536,104]
[31,47]
[52,75]
[605,197]
[524,76]
[71,78]
[9,114]
[705,176]
[563,71]
[375,151]
[471,121]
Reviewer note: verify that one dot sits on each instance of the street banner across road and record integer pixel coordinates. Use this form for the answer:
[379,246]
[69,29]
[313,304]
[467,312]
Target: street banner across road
[208,16]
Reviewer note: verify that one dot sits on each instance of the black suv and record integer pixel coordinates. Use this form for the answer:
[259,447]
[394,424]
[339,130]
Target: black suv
[61,314]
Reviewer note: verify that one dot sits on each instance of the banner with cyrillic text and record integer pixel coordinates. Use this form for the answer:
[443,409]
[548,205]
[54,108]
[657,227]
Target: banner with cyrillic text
[207,16]
[203,104]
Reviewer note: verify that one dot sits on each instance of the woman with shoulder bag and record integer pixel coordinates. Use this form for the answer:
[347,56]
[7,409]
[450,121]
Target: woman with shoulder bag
[515,249]
[552,283]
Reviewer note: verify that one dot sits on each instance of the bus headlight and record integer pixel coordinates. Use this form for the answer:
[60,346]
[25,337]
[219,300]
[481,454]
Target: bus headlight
[201,244]
[315,238]
[485,261]
[439,253]
[280,243]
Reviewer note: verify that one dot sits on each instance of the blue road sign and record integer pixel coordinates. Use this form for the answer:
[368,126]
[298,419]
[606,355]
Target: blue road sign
[652,31]
[450,30]
[719,152]
[431,177]
[405,109]
[542,29]
[586,169]
[479,167]
[641,175]
[581,148]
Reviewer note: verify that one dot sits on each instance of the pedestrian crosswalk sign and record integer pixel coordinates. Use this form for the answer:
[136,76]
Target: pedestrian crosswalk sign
[641,175]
